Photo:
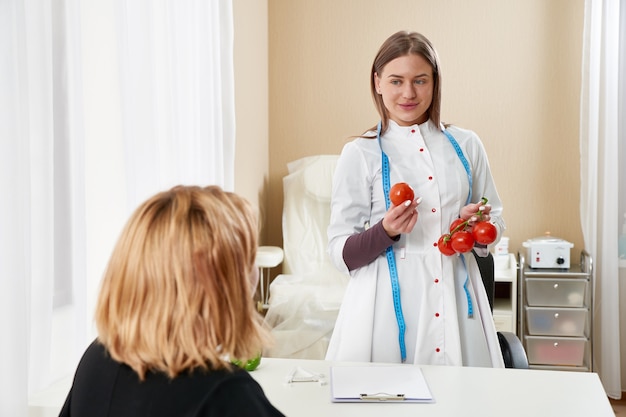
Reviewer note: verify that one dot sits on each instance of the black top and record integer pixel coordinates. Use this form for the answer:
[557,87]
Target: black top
[103,387]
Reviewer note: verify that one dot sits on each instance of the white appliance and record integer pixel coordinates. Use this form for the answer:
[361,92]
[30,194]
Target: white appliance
[548,252]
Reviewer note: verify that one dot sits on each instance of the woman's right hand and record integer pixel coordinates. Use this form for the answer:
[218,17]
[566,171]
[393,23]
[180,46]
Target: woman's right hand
[401,219]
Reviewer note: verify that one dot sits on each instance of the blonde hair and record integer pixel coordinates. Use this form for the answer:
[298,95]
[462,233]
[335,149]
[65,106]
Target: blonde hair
[177,292]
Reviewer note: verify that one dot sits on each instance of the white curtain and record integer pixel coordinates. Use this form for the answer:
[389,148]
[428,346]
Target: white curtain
[177,83]
[600,179]
[102,104]
[26,223]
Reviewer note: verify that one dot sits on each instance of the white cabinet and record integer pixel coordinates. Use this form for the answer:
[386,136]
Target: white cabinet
[555,315]
[505,293]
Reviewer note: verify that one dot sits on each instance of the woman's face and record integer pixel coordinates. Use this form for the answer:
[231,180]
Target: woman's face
[406,85]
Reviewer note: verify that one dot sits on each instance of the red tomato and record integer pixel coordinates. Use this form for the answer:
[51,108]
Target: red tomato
[484,233]
[456,224]
[401,192]
[444,245]
[462,242]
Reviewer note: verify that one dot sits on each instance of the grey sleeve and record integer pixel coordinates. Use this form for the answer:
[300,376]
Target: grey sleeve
[362,248]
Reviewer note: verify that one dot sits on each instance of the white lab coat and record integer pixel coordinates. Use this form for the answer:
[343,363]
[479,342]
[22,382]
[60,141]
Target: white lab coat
[434,303]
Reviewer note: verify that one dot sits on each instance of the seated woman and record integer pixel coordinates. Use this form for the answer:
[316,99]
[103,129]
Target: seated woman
[174,308]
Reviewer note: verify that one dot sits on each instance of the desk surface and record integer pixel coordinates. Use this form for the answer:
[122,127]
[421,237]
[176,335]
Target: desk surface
[458,391]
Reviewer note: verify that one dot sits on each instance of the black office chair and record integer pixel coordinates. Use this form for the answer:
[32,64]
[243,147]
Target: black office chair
[512,349]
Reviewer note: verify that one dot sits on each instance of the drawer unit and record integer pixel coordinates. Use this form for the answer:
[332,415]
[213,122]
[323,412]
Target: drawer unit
[556,292]
[558,351]
[555,315]
[556,321]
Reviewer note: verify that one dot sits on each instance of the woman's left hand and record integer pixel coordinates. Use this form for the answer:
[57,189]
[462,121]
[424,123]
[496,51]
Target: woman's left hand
[475,212]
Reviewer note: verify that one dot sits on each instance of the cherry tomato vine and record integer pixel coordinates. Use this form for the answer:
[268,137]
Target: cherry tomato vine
[462,236]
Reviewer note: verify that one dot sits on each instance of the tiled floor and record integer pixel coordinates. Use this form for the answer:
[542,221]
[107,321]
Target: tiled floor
[619,406]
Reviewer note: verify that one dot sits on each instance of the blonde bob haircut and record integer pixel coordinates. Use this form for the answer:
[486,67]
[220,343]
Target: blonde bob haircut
[177,292]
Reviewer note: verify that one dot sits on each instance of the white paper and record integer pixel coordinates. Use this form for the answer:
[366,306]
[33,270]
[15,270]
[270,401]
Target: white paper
[350,383]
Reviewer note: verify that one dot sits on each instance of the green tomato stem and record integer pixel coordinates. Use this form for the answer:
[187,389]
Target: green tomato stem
[483,201]
[462,226]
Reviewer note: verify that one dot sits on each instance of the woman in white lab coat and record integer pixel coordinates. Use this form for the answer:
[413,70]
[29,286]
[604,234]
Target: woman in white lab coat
[410,303]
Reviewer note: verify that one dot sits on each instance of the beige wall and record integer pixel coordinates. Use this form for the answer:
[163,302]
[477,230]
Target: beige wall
[511,72]
[251,102]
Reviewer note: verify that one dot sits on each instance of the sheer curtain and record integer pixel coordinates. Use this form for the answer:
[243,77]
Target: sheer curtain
[177,80]
[103,103]
[26,222]
[600,180]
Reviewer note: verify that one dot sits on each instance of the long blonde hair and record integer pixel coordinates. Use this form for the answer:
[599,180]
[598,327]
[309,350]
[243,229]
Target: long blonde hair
[177,292]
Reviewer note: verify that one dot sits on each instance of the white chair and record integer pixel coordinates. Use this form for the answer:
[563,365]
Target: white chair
[305,299]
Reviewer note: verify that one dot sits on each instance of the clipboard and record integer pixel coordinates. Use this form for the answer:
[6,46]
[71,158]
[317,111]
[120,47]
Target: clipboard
[379,383]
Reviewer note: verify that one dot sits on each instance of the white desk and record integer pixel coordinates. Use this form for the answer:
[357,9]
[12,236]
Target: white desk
[458,391]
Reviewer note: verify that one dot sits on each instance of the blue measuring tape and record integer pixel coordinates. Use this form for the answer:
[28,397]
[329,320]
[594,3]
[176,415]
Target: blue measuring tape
[466,165]
[391,259]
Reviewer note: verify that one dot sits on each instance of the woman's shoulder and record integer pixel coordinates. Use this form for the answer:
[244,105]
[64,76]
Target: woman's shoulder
[361,145]
[96,355]
[460,133]
[468,140]
[366,139]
